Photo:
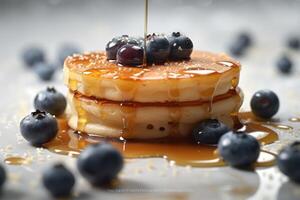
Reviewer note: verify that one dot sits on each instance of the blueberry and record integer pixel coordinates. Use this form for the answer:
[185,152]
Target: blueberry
[59,181]
[66,50]
[100,163]
[51,101]
[293,43]
[44,71]
[158,49]
[137,41]
[116,43]
[130,55]
[39,128]
[181,47]
[239,149]
[264,104]
[2,176]
[240,45]
[209,131]
[237,49]
[288,161]
[33,55]
[284,65]
[244,39]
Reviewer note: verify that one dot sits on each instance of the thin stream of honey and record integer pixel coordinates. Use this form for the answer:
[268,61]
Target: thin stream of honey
[145,32]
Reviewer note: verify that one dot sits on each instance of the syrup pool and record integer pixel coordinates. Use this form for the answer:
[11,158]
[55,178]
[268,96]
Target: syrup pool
[180,151]
[250,117]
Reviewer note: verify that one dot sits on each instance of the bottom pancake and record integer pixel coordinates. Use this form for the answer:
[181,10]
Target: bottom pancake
[146,120]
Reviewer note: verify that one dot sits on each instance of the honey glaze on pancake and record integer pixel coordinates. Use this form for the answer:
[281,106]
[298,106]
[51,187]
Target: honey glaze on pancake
[180,151]
[201,64]
[229,94]
[128,111]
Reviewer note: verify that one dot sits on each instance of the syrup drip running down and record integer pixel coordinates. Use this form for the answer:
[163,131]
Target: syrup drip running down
[181,151]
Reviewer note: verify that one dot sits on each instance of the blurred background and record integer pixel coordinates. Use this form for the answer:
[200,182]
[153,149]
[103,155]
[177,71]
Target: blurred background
[212,24]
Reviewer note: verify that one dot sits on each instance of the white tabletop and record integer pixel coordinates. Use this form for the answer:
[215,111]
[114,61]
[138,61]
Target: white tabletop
[211,24]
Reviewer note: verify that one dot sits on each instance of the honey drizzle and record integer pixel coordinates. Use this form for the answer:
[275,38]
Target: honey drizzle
[128,112]
[81,115]
[174,112]
[87,85]
[181,151]
[211,99]
[72,83]
[175,116]
[234,83]
[128,120]
[230,93]
[201,64]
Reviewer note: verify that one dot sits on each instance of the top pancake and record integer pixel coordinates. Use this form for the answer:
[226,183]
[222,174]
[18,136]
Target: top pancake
[204,76]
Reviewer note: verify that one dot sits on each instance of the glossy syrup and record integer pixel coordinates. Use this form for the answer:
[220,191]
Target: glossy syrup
[95,65]
[294,119]
[181,151]
[253,119]
[16,160]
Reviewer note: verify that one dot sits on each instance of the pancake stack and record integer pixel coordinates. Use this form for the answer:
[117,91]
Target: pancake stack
[157,101]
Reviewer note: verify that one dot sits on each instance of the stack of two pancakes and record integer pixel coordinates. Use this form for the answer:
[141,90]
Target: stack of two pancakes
[149,102]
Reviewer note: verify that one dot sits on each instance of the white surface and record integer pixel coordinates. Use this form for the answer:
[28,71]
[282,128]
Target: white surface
[211,25]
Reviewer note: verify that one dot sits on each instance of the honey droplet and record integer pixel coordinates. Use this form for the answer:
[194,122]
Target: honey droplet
[234,82]
[280,126]
[294,119]
[73,84]
[15,160]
